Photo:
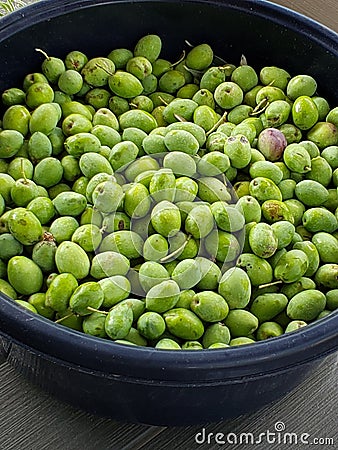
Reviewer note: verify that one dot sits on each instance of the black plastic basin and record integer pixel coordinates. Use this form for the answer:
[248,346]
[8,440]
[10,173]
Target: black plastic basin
[144,385]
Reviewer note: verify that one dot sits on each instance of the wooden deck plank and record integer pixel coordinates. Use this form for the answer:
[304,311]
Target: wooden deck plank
[31,419]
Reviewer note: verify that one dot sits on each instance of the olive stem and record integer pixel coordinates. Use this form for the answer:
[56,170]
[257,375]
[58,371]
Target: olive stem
[261,286]
[224,179]
[96,310]
[176,252]
[163,101]
[217,124]
[188,43]
[243,61]
[194,72]
[263,104]
[180,118]
[64,318]
[106,70]
[182,58]
[43,52]
[218,60]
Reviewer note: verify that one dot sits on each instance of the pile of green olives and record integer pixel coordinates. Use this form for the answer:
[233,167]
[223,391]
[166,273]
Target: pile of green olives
[176,205]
